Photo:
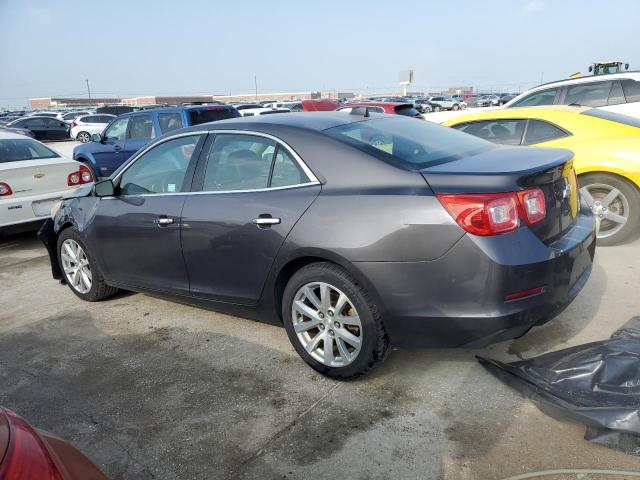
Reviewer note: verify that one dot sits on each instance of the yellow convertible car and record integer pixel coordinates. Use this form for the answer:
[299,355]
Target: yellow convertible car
[607,155]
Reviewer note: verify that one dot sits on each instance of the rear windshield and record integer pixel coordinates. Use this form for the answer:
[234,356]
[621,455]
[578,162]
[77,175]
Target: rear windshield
[416,144]
[612,116]
[211,115]
[16,149]
[407,110]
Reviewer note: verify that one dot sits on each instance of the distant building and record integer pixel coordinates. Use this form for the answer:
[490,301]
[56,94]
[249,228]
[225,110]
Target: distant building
[48,102]
[459,90]
[173,100]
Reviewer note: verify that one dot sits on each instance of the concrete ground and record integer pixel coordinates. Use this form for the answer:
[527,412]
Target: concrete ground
[153,389]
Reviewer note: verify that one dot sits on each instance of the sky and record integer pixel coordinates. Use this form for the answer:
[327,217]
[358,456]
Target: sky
[156,47]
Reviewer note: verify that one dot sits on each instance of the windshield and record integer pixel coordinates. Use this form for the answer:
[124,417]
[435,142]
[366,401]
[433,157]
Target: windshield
[15,149]
[612,116]
[416,144]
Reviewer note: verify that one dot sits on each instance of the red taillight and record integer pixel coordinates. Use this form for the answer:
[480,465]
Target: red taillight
[495,213]
[533,207]
[73,124]
[80,177]
[27,457]
[5,190]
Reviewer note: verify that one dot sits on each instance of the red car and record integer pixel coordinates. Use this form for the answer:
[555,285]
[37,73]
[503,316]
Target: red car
[30,454]
[394,108]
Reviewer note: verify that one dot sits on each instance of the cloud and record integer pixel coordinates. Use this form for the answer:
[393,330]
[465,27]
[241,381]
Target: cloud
[533,6]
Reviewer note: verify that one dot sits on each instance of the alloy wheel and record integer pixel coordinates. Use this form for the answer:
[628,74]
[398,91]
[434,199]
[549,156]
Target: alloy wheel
[83,137]
[609,205]
[76,266]
[327,324]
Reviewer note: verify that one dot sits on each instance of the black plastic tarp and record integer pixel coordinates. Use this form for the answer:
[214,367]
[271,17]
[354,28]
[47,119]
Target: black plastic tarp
[597,384]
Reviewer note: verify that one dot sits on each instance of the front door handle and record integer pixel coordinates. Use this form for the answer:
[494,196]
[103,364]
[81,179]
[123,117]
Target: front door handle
[161,221]
[264,222]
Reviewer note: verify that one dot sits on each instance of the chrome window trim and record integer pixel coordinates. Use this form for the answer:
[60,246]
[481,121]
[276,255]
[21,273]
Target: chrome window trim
[313,180]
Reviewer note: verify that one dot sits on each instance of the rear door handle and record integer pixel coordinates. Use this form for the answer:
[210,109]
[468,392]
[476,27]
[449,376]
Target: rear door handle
[163,220]
[263,222]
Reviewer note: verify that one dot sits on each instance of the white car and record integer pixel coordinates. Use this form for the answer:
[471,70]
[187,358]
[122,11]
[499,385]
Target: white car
[68,117]
[250,110]
[32,178]
[83,127]
[616,92]
[447,103]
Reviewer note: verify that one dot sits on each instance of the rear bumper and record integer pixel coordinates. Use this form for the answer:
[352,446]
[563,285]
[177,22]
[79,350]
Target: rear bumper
[31,208]
[459,299]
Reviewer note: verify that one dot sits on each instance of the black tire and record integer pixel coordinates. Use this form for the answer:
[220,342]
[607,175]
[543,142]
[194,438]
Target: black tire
[632,227]
[375,342]
[83,137]
[426,109]
[99,289]
[455,107]
[437,108]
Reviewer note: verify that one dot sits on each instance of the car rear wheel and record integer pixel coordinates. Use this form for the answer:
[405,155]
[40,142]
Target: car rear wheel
[455,107]
[81,272]
[615,204]
[332,322]
[83,137]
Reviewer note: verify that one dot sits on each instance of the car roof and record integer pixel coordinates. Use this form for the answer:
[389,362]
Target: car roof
[635,75]
[377,104]
[314,121]
[515,112]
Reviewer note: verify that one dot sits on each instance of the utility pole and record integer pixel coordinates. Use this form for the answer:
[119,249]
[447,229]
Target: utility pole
[88,89]
[255,82]
[541,77]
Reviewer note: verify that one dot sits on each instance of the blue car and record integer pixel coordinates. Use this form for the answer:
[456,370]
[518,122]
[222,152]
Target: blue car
[128,133]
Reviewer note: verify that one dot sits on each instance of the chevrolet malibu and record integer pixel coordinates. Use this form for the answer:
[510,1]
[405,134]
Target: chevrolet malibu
[355,231]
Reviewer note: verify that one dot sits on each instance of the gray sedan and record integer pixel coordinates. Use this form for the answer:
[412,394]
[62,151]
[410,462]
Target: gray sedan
[355,231]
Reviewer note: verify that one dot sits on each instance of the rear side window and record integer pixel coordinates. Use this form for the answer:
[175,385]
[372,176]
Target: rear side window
[286,170]
[616,96]
[544,97]
[540,131]
[594,94]
[612,116]
[239,162]
[170,121]
[407,110]
[16,149]
[211,114]
[414,144]
[631,90]
[504,131]
[141,127]
[91,119]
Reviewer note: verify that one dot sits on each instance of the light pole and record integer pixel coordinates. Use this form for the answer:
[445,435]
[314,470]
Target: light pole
[255,82]
[88,89]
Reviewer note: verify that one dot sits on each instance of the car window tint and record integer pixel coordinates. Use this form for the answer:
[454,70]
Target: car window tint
[170,121]
[161,169]
[541,131]
[239,162]
[544,97]
[631,90]
[212,114]
[286,171]
[104,118]
[616,96]
[35,122]
[16,149]
[593,94]
[141,127]
[117,130]
[396,138]
[90,119]
[503,131]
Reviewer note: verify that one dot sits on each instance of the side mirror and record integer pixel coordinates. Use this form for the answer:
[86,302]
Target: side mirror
[96,137]
[104,188]
[591,68]
[626,66]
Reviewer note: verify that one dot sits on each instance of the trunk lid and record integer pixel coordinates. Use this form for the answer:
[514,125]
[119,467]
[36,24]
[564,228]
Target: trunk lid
[510,169]
[36,177]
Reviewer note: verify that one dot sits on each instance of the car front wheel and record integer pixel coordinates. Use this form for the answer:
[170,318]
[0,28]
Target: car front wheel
[332,322]
[81,272]
[616,205]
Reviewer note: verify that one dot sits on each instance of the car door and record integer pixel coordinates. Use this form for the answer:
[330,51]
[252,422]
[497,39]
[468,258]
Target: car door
[140,132]
[108,153]
[56,129]
[137,230]
[37,126]
[253,189]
